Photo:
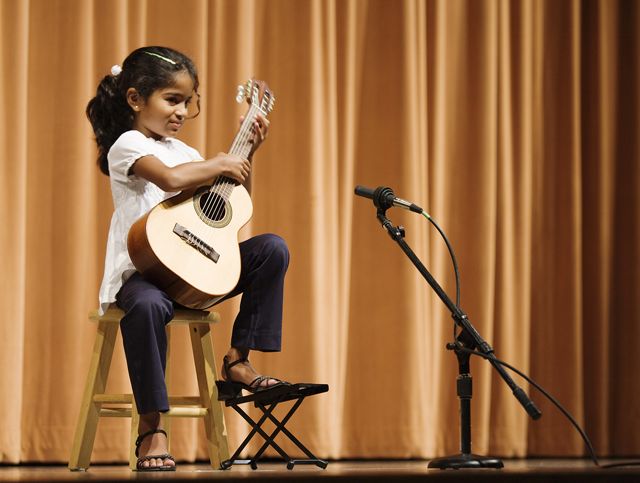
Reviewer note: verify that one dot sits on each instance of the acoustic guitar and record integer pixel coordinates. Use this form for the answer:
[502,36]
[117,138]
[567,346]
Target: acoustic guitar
[188,244]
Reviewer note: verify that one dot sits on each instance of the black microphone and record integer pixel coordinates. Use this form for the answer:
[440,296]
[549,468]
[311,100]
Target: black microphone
[384,198]
[527,403]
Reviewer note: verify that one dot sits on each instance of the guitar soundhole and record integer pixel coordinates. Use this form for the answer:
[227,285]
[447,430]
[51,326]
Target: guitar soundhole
[212,208]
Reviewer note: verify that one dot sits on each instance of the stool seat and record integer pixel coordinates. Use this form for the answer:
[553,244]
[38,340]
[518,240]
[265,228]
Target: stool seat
[96,403]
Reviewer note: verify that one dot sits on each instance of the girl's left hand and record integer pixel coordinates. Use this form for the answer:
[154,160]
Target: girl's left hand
[260,129]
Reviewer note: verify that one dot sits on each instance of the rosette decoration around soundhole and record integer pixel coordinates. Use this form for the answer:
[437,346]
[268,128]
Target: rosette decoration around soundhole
[212,208]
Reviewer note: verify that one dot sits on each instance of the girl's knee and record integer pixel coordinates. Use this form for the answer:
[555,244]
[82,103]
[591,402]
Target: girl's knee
[276,247]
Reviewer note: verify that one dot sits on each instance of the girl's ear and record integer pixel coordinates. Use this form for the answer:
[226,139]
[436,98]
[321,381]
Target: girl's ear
[134,99]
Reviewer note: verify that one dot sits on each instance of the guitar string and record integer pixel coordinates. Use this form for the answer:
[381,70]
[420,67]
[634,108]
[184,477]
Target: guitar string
[217,191]
[223,186]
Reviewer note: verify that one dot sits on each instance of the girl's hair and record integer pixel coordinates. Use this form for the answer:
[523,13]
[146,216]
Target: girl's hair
[145,69]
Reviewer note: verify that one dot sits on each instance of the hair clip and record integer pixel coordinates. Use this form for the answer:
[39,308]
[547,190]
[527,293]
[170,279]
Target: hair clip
[166,59]
[115,70]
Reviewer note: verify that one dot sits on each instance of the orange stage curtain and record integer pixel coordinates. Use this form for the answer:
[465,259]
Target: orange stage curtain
[514,123]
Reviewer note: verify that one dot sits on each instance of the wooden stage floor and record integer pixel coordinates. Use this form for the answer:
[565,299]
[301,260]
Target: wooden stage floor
[521,471]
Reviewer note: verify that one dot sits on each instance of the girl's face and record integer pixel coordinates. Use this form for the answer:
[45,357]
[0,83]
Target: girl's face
[166,109]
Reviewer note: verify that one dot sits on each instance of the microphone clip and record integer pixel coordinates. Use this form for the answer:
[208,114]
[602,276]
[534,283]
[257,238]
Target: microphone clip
[383,198]
[395,232]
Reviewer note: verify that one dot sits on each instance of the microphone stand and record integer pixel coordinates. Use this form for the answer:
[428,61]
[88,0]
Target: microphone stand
[469,338]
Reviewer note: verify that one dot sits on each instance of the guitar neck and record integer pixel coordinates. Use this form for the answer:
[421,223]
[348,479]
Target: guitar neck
[241,145]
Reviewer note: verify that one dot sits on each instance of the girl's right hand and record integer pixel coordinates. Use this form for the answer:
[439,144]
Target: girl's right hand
[234,166]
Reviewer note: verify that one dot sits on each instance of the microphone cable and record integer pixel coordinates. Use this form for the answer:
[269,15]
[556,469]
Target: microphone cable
[451,254]
[556,403]
[553,400]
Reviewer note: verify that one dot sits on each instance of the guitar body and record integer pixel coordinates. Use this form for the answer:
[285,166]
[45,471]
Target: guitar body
[189,251]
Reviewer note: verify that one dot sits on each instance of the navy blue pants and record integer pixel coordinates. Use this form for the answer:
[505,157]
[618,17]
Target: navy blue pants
[258,325]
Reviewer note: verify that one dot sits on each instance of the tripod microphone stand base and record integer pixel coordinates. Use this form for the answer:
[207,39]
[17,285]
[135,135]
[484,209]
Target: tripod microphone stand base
[465,461]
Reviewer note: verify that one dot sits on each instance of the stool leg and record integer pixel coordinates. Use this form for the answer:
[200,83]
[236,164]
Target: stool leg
[280,426]
[85,434]
[204,359]
[257,428]
[135,421]
[165,420]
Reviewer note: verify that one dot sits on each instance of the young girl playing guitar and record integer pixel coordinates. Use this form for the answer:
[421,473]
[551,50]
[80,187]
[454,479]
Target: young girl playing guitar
[136,114]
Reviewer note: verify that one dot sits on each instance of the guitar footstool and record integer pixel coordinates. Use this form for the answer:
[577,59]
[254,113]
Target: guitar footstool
[267,401]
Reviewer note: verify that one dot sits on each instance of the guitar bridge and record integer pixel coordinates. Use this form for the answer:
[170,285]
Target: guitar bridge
[196,242]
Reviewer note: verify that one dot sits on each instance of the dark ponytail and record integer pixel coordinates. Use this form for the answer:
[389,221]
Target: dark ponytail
[146,69]
[110,116]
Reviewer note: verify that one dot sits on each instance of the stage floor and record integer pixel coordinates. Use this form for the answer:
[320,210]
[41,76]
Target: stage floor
[522,471]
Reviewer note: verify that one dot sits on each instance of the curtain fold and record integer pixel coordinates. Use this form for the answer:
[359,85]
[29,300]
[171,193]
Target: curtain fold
[13,149]
[513,123]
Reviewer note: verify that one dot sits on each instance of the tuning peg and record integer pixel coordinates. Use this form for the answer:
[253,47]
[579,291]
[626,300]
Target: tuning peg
[240,94]
[264,104]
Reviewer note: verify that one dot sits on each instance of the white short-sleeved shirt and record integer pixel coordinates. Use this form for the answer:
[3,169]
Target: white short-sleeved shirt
[133,197]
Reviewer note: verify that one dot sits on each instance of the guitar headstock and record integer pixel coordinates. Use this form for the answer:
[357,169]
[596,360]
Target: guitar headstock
[250,92]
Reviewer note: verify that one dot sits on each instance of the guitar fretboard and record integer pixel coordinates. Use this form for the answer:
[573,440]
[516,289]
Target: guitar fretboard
[241,146]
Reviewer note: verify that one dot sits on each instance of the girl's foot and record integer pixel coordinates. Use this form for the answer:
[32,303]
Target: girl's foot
[151,445]
[237,368]
[152,441]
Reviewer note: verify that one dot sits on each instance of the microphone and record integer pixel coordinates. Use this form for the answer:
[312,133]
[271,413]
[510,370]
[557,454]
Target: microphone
[384,198]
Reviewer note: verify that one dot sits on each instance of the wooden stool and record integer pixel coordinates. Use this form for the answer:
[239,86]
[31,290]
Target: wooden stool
[205,405]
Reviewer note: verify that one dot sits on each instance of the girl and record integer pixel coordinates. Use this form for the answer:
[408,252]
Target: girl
[136,114]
